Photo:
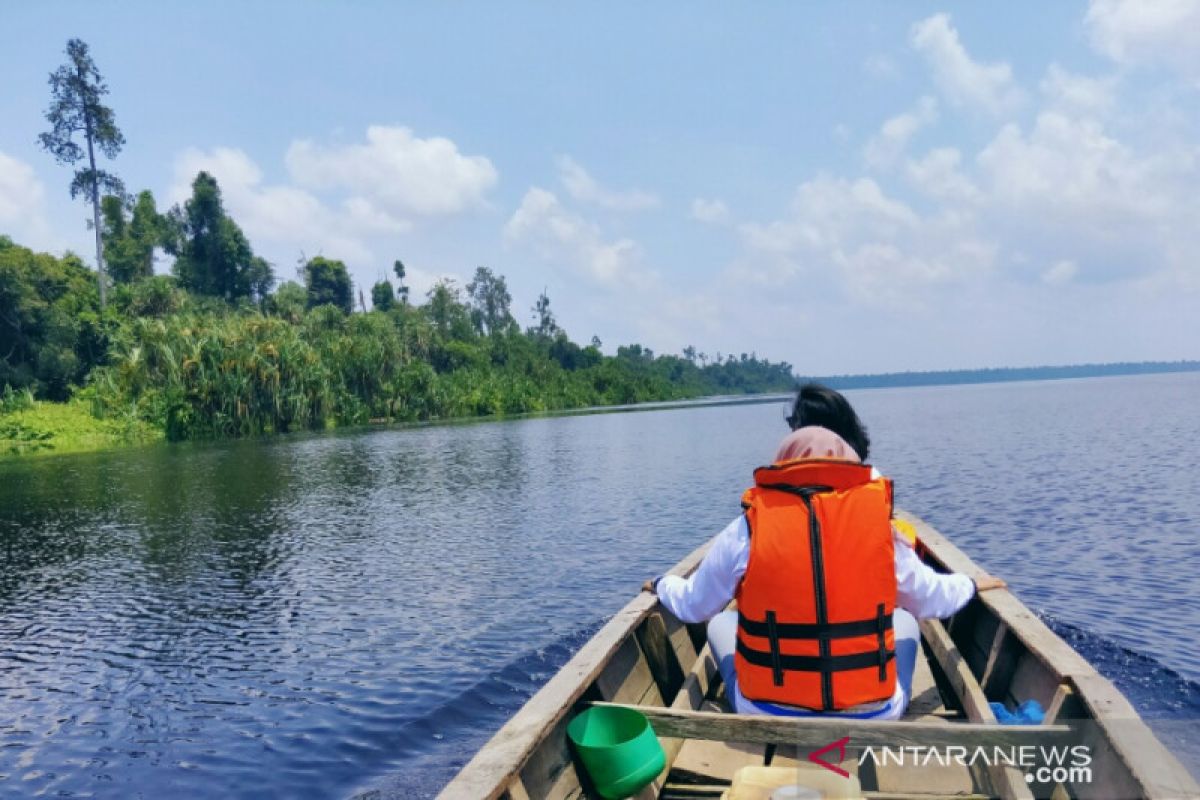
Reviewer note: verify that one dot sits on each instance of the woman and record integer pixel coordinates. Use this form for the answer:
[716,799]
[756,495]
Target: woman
[828,594]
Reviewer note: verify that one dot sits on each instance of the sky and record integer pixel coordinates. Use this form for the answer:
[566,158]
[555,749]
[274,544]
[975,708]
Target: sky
[867,187]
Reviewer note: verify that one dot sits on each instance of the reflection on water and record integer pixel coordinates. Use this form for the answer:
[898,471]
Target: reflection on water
[312,616]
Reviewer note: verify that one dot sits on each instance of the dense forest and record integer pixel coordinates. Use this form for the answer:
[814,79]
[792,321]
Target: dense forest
[1006,374]
[217,348]
[212,351]
[220,348]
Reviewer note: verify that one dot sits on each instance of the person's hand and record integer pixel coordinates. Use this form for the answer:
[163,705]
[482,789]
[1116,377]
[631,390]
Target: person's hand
[985,582]
[649,586]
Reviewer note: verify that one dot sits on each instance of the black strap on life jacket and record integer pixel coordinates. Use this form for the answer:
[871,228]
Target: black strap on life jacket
[822,664]
[774,631]
[809,630]
[822,630]
[882,651]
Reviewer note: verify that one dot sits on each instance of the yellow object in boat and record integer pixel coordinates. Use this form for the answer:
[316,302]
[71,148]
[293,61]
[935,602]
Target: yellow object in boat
[905,529]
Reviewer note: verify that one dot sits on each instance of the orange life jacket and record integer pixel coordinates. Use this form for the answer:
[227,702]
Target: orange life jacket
[815,605]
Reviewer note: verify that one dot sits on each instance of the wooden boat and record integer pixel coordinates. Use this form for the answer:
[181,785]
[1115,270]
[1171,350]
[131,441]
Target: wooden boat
[995,649]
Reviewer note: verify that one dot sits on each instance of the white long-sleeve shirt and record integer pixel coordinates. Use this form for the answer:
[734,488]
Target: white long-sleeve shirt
[920,590]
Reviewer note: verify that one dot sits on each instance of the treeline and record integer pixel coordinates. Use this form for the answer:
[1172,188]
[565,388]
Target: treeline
[213,351]
[217,349]
[1004,374]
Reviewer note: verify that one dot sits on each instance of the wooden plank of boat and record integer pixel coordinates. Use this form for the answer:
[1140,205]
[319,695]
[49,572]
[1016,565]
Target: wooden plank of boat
[1049,663]
[995,649]
[713,761]
[927,706]
[815,732]
[1008,781]
[498,763]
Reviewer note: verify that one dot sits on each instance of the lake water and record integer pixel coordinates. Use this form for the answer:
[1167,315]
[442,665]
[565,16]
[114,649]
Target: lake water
[321,616]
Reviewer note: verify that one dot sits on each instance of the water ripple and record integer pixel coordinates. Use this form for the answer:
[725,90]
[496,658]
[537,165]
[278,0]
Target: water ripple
[315,616]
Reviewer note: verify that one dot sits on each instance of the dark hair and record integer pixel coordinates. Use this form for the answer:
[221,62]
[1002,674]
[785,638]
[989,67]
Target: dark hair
[820,405]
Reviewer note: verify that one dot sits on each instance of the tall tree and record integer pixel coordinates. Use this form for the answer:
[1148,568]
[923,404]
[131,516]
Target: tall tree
[450,316]
[129,243]
[383,296]
[328,283]
[490,302]
[401,288]
[212,255]
[259,279]
[546,326]
[76,89]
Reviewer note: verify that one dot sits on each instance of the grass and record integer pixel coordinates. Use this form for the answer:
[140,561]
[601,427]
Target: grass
[42,427]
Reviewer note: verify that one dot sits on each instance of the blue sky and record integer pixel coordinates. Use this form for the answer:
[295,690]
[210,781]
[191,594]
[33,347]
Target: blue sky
[873,187]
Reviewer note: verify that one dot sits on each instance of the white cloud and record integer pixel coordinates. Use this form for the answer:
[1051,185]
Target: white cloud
[1071,190]
[23,204]
[1148,31]
[581,186]
[880,66]
[713,211]
[939,175]
[399,173]
[560,235]
[1070,164]
[962,80]
[229,165]
[825,212]
[283,216]
[1046,225]
[889,144]
[672,321]
[367,218]
[873,247]
[1060,272]
[1077,93]
[890,274]
[1059,204]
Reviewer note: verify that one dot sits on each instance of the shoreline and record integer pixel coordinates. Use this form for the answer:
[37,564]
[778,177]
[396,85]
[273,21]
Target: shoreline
[49,428]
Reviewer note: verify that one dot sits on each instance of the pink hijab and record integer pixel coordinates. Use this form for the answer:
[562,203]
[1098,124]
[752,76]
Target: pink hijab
[813,441]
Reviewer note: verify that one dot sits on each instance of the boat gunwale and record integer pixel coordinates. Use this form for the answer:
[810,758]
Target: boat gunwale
[1142,754]
[487,774]
[497,766]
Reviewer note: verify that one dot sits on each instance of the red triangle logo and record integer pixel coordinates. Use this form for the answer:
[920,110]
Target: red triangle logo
[840,746]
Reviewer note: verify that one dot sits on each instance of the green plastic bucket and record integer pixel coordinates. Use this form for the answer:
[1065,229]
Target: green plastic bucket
[618,749]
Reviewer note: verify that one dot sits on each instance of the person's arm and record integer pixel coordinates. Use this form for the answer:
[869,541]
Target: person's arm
[709,589]
[926,593]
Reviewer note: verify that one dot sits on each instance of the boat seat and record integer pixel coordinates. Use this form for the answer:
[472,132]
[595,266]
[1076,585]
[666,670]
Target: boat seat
[709,762]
